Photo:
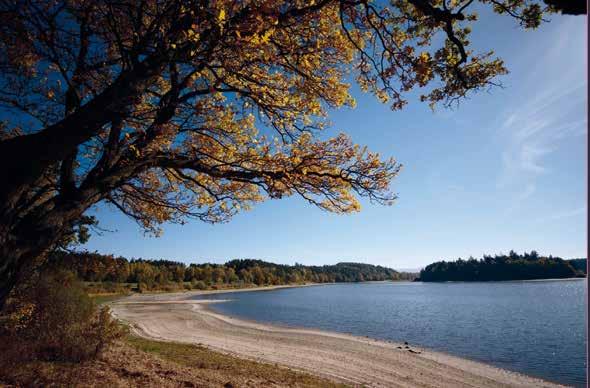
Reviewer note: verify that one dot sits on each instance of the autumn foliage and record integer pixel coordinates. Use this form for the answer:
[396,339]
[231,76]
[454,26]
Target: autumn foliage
[172,109]
[108,274]
[54,320]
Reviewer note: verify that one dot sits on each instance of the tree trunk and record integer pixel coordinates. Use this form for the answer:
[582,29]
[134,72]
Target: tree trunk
[25,158]
[11,270]
[24,245]
[28,158]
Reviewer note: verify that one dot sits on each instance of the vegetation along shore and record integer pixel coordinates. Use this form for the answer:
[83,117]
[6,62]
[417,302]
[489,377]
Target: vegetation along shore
[106,273]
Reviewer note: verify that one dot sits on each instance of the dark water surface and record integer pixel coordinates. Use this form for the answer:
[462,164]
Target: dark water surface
[534,327]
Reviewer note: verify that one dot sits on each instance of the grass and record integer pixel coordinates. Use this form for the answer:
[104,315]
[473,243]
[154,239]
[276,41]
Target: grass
[137,362]
[238,371]
[105,298]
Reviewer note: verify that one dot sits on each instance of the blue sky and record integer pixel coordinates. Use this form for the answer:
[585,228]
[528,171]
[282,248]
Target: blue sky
[504,170]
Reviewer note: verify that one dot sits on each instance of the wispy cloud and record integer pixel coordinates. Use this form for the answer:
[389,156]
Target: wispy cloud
[582,210]
[543,117]
[531,136]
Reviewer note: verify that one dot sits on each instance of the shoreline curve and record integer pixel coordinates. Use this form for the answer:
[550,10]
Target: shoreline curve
[340,357]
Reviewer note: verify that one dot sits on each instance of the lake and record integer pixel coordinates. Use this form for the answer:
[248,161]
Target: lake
[533,327]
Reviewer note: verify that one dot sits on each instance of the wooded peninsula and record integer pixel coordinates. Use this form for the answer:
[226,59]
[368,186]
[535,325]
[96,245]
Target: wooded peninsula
[528,266]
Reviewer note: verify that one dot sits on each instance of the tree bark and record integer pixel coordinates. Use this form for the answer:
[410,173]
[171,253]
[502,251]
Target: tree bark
[24,245]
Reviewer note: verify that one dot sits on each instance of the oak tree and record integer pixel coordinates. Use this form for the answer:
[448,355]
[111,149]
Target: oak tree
[176,109]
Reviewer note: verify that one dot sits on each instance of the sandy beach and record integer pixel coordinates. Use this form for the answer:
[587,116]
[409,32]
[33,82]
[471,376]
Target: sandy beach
[344,358]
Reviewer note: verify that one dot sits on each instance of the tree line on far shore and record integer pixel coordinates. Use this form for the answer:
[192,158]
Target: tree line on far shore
[513,266]
[113,272]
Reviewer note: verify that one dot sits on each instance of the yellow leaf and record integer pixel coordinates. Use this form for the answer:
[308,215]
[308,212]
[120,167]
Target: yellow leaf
[267,35]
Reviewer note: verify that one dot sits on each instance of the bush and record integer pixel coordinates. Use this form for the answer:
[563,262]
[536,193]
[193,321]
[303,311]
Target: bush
[142,287]
[55,320]
[199,285]
[107,288]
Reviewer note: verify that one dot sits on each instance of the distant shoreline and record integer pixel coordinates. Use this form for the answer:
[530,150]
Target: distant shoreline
[177,295]
[339,357]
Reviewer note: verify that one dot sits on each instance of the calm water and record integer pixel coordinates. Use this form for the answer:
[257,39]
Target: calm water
[535,327]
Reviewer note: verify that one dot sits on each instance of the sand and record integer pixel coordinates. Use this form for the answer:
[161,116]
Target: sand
[357,361]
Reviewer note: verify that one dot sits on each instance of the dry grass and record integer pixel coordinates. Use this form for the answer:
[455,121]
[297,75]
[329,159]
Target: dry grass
[105,298]
[137,362]
[220,369]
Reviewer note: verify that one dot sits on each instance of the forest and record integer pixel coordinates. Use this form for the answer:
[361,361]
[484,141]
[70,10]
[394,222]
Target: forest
[513,266]
[108,273]
[579,265]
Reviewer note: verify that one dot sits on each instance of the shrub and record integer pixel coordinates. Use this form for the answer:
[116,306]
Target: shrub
[142,287]
[56,320]
[107,288]
[199,285]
